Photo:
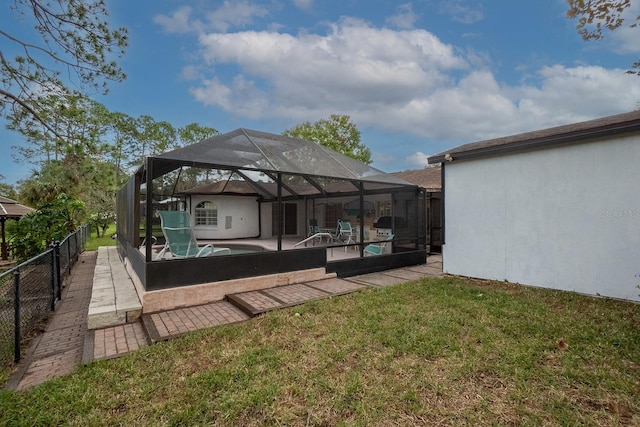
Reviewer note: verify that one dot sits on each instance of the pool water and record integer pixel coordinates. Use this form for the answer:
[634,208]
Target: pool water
[242,249]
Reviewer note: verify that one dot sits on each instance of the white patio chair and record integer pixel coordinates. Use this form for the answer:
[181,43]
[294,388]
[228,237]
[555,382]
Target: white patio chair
[377,248]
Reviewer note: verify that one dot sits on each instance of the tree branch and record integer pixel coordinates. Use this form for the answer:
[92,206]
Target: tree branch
[31,111]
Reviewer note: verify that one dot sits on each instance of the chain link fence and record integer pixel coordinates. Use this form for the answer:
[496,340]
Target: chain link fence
[29,293]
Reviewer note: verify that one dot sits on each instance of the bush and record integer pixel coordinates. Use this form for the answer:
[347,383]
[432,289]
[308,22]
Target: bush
[102,221]
[50,222]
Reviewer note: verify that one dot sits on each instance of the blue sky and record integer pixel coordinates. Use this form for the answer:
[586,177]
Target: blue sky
[417,77]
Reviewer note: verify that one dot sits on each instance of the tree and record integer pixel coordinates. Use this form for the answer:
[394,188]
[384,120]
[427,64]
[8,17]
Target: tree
[50,222]
[337,132]
[149,138]
[122,129]
[45,184]
[192,134]
[594,15]
[7,190]
[75,41]
[75,126]
[102,211]
[99,195]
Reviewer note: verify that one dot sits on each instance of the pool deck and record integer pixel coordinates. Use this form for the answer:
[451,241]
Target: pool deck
[68,342]
[104,312]
[334,253]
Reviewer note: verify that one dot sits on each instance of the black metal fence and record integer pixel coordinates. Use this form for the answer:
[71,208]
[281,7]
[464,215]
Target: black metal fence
[29,292]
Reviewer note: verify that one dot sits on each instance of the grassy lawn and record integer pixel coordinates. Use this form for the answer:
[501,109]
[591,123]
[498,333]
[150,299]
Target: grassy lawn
[440,351]
[94,242]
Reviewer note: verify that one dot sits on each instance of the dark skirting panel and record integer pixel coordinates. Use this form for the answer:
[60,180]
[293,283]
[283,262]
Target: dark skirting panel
[184,272]
[372,264]
[137,263]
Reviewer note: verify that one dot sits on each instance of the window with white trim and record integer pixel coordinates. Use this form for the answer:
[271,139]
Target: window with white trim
[206,213]
[384,208]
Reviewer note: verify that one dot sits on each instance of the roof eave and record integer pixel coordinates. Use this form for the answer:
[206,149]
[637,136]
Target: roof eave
[538,143]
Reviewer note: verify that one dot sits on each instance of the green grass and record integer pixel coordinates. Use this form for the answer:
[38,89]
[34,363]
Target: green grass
[94,242]
[440,351]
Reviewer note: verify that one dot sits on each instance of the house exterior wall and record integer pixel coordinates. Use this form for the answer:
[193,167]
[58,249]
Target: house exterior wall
[266,216]
[243,213]
[564,218]
[266,212]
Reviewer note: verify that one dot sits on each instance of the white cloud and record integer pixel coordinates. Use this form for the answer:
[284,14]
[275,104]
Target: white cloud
[354,66]
[568,95]
[418,159]
[234,14]
[627,39]
[303,4]
[231,14]
[241,97]
[405,19]
[177,22]
[464,11]
[190,73]
[405,82]
[379,157]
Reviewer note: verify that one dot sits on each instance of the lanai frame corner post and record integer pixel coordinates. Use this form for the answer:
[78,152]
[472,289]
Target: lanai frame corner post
[149,212]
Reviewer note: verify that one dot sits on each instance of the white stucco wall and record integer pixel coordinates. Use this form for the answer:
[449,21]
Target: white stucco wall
[565,218]
[267,219]
[242,210]
[266,214]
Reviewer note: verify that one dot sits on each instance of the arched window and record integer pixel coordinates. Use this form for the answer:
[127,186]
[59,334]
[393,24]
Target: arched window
[206,213]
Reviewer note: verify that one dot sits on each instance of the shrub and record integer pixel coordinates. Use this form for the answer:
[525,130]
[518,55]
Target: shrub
[50,222]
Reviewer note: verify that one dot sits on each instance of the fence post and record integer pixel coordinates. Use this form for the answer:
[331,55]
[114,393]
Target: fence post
[53,277]
[56,266]
[16,316]
[77,255]
[68,256]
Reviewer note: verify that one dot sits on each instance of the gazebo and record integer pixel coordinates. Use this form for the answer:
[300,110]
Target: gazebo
[10,209]
[268,187]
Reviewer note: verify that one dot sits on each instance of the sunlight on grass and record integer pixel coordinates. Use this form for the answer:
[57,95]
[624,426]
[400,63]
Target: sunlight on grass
[94,241]
[441,351]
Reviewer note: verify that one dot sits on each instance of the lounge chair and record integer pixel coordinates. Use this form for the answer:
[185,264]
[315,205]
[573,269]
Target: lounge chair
[180,241]
[377,248]
[313,227]
[345,232]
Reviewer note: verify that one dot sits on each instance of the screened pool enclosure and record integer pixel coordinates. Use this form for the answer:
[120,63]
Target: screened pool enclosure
[276,192]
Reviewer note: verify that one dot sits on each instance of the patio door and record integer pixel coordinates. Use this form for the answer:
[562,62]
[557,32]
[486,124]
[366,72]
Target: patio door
[289,218]
[332,214]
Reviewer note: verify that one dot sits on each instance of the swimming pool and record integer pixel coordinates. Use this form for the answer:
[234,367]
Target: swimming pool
[241,249]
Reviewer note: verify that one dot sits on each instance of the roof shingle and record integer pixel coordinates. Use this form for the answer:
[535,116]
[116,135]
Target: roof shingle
[12,209]
[428,178]
[567,134]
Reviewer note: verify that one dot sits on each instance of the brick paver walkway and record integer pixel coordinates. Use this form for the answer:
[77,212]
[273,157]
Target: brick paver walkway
[336,286]
[295,294]
[59,349]
[116,340]
[173,323]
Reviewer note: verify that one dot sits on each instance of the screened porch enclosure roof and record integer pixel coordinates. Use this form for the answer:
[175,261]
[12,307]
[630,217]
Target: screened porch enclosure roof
[250,150]
[276,170]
